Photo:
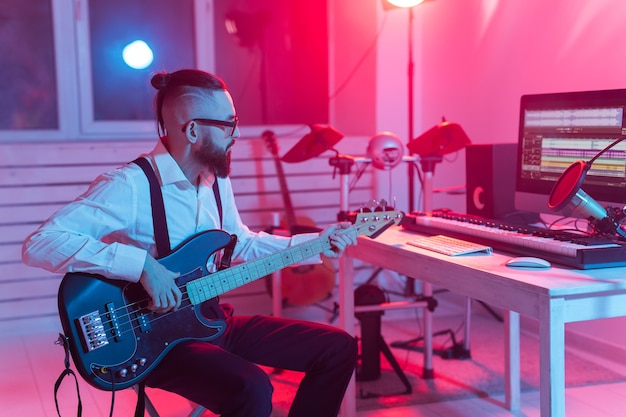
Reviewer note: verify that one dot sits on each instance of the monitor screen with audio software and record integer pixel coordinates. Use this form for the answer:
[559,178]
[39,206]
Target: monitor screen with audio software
[557,129]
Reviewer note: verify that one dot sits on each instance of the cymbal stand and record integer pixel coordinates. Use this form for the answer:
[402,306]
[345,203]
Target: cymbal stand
[343,164]
[428,163]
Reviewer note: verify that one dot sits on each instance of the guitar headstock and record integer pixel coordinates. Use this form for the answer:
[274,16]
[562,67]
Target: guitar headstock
[373,223]
[269,138]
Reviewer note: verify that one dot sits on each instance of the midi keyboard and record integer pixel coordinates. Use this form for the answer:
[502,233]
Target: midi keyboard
[566,248]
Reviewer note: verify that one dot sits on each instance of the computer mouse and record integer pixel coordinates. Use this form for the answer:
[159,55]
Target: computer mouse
[528,262]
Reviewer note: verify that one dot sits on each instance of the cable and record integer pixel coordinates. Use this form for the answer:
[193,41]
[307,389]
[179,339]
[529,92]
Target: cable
[357,176]
[360,62]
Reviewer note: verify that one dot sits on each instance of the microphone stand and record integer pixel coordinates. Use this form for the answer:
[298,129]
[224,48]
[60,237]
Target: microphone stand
[611,223]
[615,142]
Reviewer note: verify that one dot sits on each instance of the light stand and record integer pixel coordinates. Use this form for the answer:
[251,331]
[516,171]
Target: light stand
[411,64]
[408,4]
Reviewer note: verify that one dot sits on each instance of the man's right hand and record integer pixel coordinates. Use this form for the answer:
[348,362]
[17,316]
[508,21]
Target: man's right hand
[160,284]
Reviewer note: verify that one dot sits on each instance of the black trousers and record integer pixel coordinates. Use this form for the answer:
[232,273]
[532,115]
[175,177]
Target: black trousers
[221,375]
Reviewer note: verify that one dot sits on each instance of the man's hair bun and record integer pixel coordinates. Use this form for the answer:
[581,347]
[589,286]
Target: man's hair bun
[178,82]
[160,80]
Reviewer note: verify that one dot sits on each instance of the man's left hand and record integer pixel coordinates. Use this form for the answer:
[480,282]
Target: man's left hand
[339,241]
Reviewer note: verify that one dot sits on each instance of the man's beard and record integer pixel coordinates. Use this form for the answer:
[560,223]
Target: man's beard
[215,159]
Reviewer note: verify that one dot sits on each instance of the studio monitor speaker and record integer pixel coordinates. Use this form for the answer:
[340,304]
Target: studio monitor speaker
[490,179]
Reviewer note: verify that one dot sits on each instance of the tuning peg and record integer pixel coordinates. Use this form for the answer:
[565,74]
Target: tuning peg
[372,205]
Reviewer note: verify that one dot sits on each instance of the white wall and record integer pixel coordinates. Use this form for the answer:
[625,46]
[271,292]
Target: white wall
[475,58]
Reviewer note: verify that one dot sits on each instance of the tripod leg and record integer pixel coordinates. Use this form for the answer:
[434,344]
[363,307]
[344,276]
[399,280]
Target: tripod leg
[394,364]
[373,276]
[491,311]
[468,318]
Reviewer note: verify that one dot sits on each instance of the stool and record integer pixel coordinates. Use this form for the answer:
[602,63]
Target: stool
[152,412]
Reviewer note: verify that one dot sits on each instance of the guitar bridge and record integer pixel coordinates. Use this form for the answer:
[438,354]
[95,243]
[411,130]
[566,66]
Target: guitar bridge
[93,332]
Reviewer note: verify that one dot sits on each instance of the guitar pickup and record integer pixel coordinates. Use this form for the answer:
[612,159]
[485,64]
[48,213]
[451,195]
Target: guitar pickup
[91,326]
[144,322]
[115,326]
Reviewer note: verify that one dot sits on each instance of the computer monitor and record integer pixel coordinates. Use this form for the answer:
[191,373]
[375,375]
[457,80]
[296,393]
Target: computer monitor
[557,129]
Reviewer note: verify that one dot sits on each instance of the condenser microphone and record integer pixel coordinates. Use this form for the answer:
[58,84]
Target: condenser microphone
[567,192]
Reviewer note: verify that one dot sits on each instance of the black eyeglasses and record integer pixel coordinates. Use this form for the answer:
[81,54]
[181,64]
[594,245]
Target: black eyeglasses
[212,122]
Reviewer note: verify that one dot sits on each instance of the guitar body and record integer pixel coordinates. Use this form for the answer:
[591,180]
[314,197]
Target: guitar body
[304,285]
[115,341]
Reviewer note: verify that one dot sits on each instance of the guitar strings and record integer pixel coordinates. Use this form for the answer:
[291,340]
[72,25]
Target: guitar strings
[126,320]
[136,308]
[131,308]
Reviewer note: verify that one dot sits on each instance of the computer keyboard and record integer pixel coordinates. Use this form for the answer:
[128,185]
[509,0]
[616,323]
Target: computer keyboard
[449,245]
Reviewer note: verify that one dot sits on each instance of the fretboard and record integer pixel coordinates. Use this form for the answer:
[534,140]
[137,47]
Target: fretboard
[210,286]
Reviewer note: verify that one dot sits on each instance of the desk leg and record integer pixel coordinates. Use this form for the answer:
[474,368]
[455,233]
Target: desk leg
[428,373]
[512,360]
[552,357]
[468,324]
[346,322]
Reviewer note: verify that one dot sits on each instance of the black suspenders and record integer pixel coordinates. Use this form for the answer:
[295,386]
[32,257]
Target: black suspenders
[161,235]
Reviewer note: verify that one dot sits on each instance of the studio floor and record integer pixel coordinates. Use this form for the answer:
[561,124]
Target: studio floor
[30,364]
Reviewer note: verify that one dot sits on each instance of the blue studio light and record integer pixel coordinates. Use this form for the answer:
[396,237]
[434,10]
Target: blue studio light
[138,55]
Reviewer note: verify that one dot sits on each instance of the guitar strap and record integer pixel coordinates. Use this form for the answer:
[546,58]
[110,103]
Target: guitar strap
[161,235]
[62,340]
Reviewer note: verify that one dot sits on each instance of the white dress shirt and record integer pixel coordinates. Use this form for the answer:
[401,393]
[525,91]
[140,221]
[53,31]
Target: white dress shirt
[108,230]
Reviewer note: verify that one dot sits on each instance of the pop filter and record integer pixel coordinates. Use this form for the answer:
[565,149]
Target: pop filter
[567,192]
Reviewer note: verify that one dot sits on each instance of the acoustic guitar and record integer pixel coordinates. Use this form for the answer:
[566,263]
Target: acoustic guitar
[115,340]
[306,284]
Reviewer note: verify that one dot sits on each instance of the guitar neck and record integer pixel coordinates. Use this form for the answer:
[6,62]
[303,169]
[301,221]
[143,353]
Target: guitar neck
[289,211]
[270,141]
[210,286]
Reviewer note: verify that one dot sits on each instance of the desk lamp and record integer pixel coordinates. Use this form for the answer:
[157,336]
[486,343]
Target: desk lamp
[430,146]
[567,193]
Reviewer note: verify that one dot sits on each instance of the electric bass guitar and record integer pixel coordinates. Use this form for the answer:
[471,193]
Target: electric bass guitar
[115,340]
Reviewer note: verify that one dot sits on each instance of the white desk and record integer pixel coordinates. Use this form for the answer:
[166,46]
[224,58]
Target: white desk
[553,297]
